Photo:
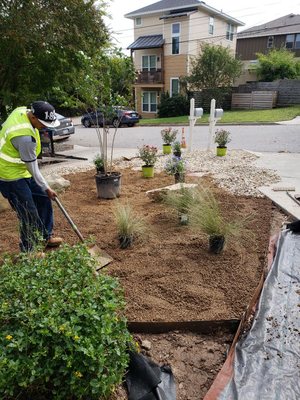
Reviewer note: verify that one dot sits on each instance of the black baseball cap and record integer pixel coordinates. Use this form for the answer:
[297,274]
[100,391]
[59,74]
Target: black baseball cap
[45,113]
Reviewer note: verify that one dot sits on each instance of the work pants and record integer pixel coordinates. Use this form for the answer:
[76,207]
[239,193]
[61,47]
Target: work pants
[33,208]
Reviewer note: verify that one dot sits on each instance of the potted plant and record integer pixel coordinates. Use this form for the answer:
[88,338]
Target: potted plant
[108,182]
[176,166]
[168,136]
[130,226]
[181,201]
[206,217]
[148,154]
[222,138]
[99,164]
[177,149]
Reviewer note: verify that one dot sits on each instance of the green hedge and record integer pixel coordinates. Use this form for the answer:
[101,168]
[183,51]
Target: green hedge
[62,333]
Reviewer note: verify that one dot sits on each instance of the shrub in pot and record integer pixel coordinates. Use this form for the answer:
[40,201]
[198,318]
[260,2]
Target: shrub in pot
[62,330]
[176,166]
[177,149]
[148,154]
[99,164]
[168,136]
[222,138]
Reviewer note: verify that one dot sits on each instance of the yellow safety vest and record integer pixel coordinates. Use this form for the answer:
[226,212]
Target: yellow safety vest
[17,124]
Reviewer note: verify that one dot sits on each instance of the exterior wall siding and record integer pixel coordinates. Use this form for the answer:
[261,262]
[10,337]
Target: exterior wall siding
[175,67]
[247,48]
[151,25]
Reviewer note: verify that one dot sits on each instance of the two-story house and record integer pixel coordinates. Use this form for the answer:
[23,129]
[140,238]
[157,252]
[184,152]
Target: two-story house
[282,32]
[167,34]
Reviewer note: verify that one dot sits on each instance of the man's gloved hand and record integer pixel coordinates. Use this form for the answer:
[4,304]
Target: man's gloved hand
[51,193]
[294,226]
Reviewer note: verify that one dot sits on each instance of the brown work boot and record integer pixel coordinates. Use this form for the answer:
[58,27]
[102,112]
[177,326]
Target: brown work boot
[54,242]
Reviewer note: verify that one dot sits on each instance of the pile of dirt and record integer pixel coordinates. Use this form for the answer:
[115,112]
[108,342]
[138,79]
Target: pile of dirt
[171,276]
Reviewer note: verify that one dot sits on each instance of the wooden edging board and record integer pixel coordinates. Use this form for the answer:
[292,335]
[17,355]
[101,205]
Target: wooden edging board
[230,325]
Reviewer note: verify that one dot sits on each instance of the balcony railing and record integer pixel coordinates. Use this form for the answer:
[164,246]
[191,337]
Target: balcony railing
[149,76]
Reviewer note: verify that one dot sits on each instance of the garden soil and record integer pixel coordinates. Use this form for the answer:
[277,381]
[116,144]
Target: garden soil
[170,275]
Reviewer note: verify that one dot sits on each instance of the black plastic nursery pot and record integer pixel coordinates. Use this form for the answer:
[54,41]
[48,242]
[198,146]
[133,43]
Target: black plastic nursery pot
[109,185]
[216,244]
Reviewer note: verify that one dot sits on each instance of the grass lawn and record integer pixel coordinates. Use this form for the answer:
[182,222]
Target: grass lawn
[238,117]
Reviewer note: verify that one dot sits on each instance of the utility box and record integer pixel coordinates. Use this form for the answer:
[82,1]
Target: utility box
[219,113]
[198,112]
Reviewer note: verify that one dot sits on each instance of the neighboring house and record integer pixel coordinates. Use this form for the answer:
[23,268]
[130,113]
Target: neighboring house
[282,32]
[167,34]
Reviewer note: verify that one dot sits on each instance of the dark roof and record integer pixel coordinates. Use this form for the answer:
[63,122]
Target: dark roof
[281,26]
[167,6]
[147,42]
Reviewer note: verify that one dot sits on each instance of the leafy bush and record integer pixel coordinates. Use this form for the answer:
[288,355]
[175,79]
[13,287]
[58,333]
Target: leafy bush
[222,137]
[175,165]
[173,106]
[148,154]
[62,334]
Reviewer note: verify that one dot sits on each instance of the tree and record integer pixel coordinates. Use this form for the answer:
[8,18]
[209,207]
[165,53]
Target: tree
[214,69]
[277,64]
[47,48]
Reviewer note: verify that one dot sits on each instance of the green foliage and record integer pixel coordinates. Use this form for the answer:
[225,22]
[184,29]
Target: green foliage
[215,67]
[99,163]
[173,106]
[176,147]
[278,64]
[62,334]
[175,165]
[130,225]
[180,200]
[148,154]
[207,217]
[222,137]
[168,135]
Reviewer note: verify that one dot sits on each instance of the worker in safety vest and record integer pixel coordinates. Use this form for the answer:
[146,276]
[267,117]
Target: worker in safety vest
[21,182]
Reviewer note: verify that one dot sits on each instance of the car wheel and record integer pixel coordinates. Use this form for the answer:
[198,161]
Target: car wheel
[116,123]
[130,125]
[87,123]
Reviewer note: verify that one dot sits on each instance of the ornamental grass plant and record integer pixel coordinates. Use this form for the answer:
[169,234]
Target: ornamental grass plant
[130,225]
[206,217]
[62,330]
[181,201]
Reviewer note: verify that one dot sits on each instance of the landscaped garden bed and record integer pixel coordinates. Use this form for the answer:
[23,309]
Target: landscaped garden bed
[170,275]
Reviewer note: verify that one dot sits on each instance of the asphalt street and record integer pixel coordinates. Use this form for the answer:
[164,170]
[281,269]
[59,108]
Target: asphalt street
[259,138]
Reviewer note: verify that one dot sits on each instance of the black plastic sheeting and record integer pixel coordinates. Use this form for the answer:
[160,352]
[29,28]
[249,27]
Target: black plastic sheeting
[267,358]
[146,380]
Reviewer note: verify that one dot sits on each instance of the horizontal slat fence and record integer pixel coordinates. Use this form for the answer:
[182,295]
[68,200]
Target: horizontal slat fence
[254,100]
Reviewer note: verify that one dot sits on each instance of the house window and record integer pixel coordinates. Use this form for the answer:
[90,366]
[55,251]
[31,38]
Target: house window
[174,86]
[138,21]
[297,41]
[289,42]
[229,32]
[211,26]
[149,63]
[149,101]
[175,38]
[270,42]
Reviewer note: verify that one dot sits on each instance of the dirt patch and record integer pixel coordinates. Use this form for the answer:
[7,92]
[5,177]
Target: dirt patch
[171,276]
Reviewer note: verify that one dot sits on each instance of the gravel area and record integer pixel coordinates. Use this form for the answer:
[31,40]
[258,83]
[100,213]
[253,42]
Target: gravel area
[236,172]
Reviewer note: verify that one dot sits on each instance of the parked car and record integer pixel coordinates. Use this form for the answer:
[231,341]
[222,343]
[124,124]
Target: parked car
[64,130]
[119,116]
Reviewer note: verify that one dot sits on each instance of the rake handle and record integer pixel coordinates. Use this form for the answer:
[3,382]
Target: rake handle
[74,227]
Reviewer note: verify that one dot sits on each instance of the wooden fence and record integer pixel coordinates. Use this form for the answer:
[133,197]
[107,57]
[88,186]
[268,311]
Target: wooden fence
[254,100]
